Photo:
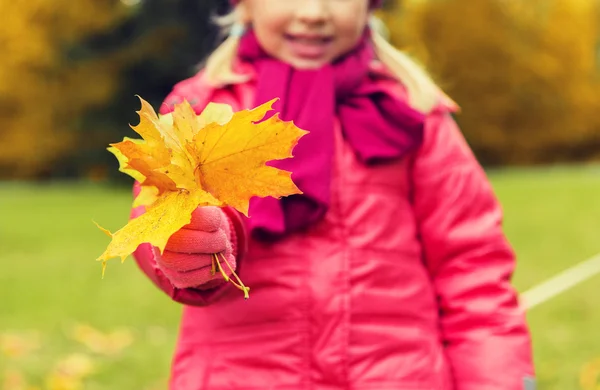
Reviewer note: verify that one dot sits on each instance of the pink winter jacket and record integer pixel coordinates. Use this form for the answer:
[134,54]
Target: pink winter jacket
[404,285]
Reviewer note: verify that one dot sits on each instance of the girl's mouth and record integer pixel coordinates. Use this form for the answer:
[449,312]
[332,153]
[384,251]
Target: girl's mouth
[309,46]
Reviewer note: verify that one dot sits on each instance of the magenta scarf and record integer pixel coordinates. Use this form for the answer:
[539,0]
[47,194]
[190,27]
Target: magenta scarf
[379,128]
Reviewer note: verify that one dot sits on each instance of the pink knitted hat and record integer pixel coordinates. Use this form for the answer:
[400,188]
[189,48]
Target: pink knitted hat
[374,3]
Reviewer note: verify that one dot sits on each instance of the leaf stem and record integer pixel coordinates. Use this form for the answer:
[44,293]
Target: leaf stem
[245,289]
[220,268]
[237,284]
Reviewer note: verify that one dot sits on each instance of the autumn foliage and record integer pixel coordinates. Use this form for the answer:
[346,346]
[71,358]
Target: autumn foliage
[42,93]
[70,70]
[526,73]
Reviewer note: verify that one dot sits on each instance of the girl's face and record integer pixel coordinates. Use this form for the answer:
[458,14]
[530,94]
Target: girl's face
[307,34]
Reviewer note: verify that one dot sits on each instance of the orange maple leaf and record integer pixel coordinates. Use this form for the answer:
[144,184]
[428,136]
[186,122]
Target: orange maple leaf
[184,160]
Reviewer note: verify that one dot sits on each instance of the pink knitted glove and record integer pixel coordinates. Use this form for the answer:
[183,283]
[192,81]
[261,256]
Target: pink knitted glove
[188,255]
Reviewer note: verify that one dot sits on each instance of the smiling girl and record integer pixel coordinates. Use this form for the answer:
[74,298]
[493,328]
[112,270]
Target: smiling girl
[390,271]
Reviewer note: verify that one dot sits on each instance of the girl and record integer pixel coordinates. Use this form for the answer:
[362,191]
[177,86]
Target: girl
[391,271]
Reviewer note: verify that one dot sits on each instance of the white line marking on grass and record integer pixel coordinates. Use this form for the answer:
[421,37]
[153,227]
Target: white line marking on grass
[560,283]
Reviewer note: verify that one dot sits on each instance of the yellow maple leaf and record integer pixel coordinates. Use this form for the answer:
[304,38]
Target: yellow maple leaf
[232,162]
[184,160]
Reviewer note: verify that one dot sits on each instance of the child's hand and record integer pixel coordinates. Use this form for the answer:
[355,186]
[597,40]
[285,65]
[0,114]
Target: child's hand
[188,256]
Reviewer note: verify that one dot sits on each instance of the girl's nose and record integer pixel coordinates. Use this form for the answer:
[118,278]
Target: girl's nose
[313,11]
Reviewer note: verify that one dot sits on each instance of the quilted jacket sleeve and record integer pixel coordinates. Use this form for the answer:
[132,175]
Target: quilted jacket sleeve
[471,264]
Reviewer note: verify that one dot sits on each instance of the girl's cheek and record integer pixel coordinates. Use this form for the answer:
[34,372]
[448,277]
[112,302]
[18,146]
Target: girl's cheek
[271,38]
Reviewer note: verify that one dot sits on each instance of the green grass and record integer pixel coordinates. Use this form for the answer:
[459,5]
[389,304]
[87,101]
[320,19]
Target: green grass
[552,220]
[50,281]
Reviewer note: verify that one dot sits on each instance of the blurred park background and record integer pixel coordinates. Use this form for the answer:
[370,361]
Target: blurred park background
[525,72]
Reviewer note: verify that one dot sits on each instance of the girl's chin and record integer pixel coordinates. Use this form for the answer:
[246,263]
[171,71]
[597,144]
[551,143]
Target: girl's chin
[306,63]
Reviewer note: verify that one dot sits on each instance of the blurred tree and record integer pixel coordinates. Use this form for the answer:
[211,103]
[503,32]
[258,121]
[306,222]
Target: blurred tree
[40,91]
[70,71]
[524,72]
[163,43]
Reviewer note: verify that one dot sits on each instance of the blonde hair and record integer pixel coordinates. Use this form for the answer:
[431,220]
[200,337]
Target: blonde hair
[422,91]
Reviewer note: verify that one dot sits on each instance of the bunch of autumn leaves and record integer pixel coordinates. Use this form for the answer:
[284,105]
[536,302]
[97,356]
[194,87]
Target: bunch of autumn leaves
[185,160]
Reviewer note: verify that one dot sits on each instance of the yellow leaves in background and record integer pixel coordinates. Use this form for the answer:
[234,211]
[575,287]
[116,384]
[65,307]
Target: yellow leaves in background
[70,372]
[42,94]
[15,380]
[217,158]
[23,352]
[102,343]
[526,73]
[590,376]
[16,345]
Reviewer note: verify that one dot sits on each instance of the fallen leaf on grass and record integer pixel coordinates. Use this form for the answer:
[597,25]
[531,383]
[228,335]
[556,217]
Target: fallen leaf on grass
[15,380]
[589,377]
[102,343]
[17,345]
[70,372]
